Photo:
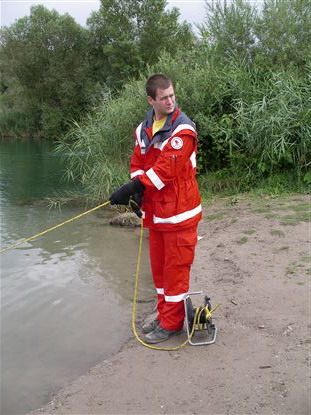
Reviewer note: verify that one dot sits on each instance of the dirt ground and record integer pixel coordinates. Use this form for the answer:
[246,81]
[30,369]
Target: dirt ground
[253,259]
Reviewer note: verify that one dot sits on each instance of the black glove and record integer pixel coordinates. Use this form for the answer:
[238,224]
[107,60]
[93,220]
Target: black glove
[123,194]
[135,202]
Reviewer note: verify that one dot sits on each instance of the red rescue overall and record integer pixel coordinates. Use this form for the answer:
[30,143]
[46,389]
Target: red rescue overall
[166,165]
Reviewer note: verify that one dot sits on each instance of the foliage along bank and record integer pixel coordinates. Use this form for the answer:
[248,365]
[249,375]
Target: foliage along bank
[245,81]
[249,96]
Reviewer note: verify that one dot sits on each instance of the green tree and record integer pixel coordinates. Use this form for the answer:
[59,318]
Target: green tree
[127,35]
[228,29]
[44,71]
[284,33]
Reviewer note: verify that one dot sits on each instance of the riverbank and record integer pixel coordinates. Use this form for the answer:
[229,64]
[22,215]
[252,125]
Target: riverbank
[253,259]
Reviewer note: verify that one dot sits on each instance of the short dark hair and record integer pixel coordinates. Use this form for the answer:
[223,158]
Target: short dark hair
[157,81]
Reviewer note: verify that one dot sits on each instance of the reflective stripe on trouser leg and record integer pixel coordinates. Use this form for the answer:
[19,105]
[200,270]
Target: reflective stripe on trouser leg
[174,256]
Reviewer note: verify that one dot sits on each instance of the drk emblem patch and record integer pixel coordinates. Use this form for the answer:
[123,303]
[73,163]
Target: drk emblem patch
[177,143]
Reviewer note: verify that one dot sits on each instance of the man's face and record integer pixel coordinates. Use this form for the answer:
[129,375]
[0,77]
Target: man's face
[164,102]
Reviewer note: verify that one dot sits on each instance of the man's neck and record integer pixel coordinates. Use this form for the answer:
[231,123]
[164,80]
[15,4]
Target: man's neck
[158,117]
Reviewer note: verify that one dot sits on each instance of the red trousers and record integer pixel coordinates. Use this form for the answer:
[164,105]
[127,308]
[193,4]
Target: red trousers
[171,256]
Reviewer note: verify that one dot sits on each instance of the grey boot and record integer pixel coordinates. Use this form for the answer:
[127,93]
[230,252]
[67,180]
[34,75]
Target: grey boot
[148,327]
[160,335]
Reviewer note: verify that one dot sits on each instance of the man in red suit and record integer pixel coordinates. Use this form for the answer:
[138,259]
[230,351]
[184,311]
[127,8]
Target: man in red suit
[163,170]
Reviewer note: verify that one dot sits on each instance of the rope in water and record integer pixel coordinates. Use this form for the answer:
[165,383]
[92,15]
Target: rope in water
[52,228]
[198,311]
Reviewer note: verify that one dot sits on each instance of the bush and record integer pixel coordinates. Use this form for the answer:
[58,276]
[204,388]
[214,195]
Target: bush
[98,149]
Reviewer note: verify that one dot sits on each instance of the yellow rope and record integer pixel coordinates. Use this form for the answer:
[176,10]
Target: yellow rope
[54,227]
[198,312]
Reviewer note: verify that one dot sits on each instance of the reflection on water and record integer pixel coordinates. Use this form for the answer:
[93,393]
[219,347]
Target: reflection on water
[65,297]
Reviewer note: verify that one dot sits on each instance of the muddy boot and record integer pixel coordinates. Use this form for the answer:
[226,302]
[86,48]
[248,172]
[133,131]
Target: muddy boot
[160,335]
[148,327]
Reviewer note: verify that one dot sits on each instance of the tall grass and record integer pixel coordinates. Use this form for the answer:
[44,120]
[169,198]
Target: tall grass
[275,131]
[98,149]
[251,125]
[14,124]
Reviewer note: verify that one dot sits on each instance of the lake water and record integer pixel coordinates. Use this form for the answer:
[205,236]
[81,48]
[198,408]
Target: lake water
[65,297]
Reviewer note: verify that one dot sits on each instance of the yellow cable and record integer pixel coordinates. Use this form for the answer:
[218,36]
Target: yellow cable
[196,319]
[54,227]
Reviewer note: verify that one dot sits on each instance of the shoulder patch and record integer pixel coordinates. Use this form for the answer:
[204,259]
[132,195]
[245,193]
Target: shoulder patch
[177,143]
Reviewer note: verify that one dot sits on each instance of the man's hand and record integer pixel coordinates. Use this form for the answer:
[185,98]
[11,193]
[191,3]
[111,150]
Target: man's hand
[122,195]
[135,202]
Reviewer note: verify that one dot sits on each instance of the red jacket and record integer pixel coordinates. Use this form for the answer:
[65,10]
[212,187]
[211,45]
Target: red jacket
[166,165]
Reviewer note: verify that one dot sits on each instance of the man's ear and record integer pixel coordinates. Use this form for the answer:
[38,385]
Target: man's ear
[150,100]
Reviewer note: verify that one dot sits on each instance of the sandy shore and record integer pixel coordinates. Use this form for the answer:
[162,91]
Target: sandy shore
[253,259]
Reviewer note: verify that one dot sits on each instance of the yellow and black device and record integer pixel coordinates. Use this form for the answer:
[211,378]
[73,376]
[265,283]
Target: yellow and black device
[198,320]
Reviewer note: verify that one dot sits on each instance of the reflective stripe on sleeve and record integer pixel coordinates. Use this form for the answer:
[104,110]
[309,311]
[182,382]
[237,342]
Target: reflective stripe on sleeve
[139,140]
[179,218]
[160,291]
[160,146]
[183,127]
[137,173]
[138,131]
[193,160]
[155,179]
[175,298]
